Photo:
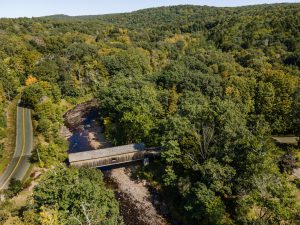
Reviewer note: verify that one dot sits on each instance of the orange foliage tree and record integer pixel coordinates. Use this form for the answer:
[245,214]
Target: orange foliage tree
[30,80]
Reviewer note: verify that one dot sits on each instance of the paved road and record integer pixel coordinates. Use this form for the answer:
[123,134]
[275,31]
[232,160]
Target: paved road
[20,164]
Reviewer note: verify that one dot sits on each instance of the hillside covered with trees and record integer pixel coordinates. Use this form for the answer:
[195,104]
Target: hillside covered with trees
[210,85]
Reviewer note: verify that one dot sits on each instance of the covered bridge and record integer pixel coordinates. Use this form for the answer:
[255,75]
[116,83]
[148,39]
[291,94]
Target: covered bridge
[112,156]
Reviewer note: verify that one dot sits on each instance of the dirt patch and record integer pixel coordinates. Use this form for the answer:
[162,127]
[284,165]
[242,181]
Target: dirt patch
[21,198]
[65,132]
[95,136]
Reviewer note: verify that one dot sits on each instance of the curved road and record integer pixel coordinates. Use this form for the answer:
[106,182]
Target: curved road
[20,164]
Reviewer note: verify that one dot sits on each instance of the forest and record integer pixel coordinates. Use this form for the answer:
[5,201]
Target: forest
[210,85]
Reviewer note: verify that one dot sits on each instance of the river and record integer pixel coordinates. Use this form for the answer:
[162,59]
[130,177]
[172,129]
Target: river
[138,205]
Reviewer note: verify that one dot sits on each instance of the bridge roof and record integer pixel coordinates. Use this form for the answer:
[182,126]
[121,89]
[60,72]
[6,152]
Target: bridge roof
[105,152]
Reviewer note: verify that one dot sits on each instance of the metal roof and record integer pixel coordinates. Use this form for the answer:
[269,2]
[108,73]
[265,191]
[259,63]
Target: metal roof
[105,152]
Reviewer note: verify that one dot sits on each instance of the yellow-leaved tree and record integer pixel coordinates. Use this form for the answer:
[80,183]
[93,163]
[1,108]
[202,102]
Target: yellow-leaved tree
[48,216]
[30,80]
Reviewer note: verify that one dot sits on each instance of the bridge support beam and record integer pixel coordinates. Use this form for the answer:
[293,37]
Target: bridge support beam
[146,161]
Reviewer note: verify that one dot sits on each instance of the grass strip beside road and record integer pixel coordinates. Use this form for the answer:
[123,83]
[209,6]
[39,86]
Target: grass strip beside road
[10,130]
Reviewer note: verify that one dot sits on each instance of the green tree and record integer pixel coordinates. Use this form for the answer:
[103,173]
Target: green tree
[9,81]
[269,202]
[50,153]
[203,206]
[79,195]
[14,188]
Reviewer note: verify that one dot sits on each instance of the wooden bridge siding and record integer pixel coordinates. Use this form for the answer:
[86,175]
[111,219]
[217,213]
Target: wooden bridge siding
[117,159]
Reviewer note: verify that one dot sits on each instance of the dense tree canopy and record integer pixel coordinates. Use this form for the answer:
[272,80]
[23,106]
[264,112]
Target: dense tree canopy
[210,85]
[72,196]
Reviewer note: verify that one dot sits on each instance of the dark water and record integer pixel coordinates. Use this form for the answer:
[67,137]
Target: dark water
[106,169]
[79,142]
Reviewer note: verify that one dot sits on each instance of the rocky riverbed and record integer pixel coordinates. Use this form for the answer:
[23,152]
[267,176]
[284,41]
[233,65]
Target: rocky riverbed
[138,205]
